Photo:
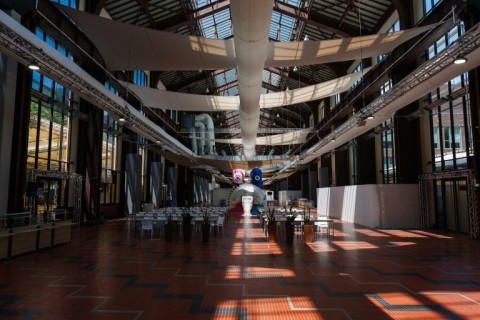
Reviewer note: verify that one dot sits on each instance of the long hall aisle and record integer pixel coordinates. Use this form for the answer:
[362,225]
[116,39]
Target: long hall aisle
[106,273]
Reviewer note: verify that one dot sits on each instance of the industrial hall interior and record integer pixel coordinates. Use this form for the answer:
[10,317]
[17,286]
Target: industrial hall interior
[240,159]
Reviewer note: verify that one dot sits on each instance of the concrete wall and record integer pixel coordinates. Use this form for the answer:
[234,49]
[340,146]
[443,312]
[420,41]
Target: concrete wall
[375,206]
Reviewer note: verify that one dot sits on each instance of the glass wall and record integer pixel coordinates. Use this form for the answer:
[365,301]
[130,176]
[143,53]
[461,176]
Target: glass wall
[68,3]
[388,153]
[428,5]
[450,114]
[387,139]
[50,118]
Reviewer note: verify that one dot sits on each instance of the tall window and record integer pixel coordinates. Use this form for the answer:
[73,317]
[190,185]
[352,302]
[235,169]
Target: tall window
[359,68]
[450,114]
[48,139]
[109,160]
[388,153]
[140,78]
[428,5]
[394,28]
[336,100]
[109,157]
[68,3]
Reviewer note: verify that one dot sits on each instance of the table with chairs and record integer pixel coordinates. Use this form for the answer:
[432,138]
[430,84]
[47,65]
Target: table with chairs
[153,222]
[322,224]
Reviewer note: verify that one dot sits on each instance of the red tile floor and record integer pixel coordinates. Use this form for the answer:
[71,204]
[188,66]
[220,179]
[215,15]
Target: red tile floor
[106,273]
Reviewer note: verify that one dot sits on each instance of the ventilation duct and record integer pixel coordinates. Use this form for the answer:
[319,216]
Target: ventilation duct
[251,24]
[202,133]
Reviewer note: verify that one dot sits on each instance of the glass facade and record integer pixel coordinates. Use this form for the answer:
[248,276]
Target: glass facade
[68,3]
[450,115]
[50,119]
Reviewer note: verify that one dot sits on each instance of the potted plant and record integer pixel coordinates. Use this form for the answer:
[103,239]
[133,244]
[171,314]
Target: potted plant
[169,227]
[271,226]
[205,226]
[307,228]
[289,227]
[187,224]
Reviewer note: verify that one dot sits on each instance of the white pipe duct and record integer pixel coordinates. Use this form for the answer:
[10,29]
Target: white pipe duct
[210,131]
[251,24]
[193,137]
[200,129]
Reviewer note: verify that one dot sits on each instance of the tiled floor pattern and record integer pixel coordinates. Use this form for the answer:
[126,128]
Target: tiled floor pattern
[106,273]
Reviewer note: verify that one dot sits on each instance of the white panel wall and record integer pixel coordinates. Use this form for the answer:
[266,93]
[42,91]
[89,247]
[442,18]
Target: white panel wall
[375,206]
[285,195]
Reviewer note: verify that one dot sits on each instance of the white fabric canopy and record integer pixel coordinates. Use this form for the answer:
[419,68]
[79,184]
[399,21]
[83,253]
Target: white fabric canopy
[310,93]
[155,98]
[293,137]
[287,54]
[129,47]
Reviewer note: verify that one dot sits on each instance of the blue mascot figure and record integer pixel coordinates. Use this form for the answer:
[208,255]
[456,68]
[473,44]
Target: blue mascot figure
[256,179]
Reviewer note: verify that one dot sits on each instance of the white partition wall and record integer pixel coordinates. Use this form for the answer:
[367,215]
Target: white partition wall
[375,206]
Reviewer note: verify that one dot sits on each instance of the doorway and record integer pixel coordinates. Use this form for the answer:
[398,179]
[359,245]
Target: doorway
[448,201]
[51,194]
[452,208]
[53,190]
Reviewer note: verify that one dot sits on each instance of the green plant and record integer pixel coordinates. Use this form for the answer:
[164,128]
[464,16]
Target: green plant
[206,217]
[271,217]
[306,219]
[291,218]
[186,216]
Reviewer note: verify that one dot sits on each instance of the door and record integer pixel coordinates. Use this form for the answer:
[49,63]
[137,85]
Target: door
[455,205]
[51,195]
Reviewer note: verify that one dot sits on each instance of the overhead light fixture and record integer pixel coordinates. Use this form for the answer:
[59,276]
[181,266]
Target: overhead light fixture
[295,69]
[33,66]
[333,139]
[278,114]
[122,119]
[370,117]
[158,142]
[207,90]
[305,38]
[460,59]
[287,88]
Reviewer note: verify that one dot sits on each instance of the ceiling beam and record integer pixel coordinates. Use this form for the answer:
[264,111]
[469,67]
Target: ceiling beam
[144,5]
[199,77]
[200,13]
[96,6]
[315,19]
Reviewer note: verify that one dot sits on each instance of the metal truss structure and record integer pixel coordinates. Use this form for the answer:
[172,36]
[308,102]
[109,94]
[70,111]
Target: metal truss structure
[17,41]
[465,44]
[77,190]
[474,226]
